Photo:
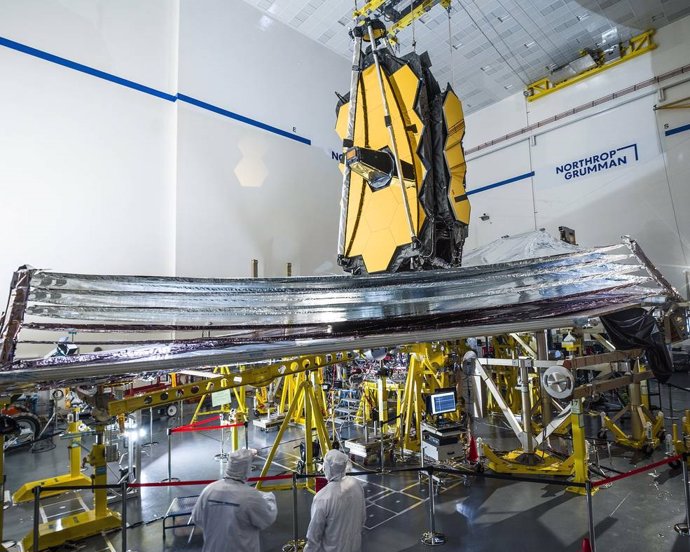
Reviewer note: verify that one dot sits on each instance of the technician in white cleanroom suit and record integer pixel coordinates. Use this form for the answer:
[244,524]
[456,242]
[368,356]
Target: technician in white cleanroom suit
[231,513]
[338,511]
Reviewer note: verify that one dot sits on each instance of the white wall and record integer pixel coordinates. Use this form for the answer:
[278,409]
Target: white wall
[244,192]
[647,198]
[89,168]
[86,166]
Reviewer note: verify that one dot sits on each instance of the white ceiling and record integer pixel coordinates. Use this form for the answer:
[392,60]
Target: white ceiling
[495,46]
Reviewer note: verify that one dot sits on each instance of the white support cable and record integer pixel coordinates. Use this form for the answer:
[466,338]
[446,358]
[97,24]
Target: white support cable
[533,8]
[467,11]
[505,59]
[450,49]
[523,68]
[354,92]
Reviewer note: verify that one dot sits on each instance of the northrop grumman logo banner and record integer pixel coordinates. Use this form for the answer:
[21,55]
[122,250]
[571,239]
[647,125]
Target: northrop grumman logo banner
[603,161]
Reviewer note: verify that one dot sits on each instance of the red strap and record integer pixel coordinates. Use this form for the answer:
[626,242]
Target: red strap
[637,470]
[188,429]
[207,481]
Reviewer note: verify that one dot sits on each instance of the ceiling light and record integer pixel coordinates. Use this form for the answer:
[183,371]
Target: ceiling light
[265,22]
[486,68]
[582,16]
[611,34]
[529,44]
[508,86]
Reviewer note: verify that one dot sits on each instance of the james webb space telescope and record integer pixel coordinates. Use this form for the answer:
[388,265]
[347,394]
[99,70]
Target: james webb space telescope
[403,205]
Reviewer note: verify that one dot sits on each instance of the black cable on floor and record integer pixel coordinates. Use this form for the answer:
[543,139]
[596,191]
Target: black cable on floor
[142,522]
[614,470]
[678,387]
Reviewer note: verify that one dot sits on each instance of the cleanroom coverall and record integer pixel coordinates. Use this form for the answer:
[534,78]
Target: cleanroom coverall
[338,511]
[231,513]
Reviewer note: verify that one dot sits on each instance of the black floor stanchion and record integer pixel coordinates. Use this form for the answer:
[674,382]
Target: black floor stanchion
[37,518]
[432,538]
[222,456]
[170,478]
[684,528]
[123,515]
[590,516]
[151,442]
[296,544]
[246,434]
[670,416]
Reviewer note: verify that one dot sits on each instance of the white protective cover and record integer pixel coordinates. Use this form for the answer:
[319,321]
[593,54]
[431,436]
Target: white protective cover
[231,515]
[338,512]
[530,245]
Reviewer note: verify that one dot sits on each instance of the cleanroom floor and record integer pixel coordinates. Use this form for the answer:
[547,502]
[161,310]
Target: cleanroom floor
[476,514]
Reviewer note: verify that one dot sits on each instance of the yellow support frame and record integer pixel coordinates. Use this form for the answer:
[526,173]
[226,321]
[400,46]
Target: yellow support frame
[79,526]
[258,376]
[25,493]
[313,420]
[225,408]
[368,8]
[405,21]
[636,46]
[415,14]
[425,374]
[683,103]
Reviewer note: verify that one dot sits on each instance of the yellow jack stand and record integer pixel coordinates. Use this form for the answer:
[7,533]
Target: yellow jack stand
[646,431]
[580,455]
[638,440]
[545,464]
[413,407]
[239,418]
[530,460]
[681,440]
[313,420]
[85,524]
[26,492]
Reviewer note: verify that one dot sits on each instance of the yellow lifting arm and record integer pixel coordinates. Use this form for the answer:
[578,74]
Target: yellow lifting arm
[258,376]
[415,14]
[406,20]
[368,8]
[633,48]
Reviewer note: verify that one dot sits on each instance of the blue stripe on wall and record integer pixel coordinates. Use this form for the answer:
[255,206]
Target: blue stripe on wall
[84,69]
[147,89]
[677,130]
[501,183]
[243,119]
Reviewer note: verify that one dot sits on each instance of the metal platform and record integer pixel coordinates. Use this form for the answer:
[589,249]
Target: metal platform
[181,506]
[266,423]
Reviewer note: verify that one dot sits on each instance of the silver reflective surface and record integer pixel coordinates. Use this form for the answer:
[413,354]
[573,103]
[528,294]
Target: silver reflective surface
[262,319]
